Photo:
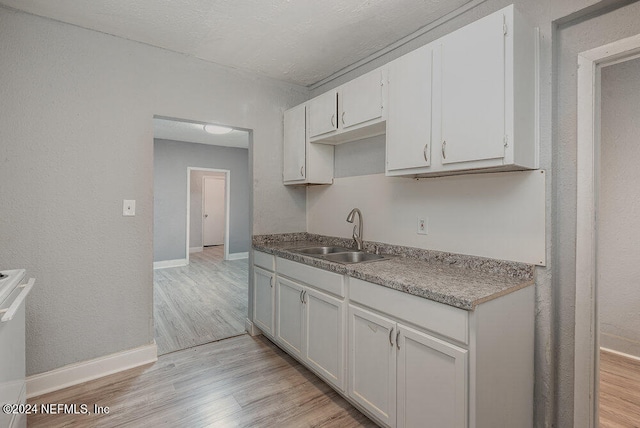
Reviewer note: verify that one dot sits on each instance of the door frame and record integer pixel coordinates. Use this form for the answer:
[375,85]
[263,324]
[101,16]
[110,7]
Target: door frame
[586,357]
[227,197]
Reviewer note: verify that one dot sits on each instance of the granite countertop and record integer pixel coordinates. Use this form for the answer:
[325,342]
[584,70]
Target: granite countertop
[453,279]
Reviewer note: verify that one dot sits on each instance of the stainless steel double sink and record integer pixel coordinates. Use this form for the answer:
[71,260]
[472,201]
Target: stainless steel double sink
[340,254]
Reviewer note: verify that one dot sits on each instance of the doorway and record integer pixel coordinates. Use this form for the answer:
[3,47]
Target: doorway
[594,248]
[208,206]
[201,275]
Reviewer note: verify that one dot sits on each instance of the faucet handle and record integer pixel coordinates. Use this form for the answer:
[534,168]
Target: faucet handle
[355,231]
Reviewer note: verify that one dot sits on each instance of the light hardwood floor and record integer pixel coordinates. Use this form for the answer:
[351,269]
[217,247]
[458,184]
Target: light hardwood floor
[200,303]
[619,391]
[238,382]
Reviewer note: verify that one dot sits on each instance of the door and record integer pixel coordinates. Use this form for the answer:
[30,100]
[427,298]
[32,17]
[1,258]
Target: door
[289,319]
[323,111]
[263,300]
[324,347]
[432,379]
[361,99]
[213,205]
[295,142]
[372,363]
[472,83]
[409,111]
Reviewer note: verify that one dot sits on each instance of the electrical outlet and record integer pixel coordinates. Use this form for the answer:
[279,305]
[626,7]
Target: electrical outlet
[128,208]
[422,225]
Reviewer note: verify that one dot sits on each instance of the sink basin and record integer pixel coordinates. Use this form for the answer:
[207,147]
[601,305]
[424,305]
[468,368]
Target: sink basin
[354,257]
[321,250]
[339,254]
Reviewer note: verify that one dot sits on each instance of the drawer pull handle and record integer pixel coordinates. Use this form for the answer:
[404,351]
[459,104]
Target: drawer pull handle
[398,339]
[391,337]
[424,152]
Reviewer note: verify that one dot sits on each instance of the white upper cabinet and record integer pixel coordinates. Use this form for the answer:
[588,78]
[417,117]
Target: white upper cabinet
[351,112]
[409,114]
[323,114]
[464,103]
[361,100]
[303,162]
[482,114]
[471,79]
[295,142]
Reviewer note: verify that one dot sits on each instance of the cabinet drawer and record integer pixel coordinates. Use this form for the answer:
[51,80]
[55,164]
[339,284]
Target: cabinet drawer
[437,317]
[321,279]
[264,260]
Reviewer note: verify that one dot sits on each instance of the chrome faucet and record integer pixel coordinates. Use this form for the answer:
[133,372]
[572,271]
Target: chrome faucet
[357,229]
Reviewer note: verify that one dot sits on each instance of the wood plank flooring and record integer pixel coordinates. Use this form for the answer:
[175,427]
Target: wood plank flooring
[619,391]
[238,382]
[200,303]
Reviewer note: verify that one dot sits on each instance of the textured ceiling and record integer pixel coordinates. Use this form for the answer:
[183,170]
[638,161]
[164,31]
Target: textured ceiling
[299,41]
[189,132]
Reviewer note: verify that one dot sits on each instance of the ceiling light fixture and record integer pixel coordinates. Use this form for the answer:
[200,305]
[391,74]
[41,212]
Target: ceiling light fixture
[215,129]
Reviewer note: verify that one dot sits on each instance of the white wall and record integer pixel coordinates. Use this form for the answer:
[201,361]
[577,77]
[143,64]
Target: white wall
[76,138]
[619,209]
[500,216]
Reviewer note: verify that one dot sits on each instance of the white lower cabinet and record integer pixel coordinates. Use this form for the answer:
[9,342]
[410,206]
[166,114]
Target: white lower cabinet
[372,363]
[290,313]
[324,333]
[404,377]
[404,360]
[310,325]
[431,381]
[263,299]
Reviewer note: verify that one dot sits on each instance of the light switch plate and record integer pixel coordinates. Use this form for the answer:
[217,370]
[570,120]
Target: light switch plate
[128,207]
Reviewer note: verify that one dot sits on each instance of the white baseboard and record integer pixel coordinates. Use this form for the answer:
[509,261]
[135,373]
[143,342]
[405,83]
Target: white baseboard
[238,256]
[196,249]
[84,371]
[251,328]
[622,354]
[170,263]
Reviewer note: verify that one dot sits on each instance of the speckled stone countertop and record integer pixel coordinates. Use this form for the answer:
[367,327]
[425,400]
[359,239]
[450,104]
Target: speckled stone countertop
[453,279]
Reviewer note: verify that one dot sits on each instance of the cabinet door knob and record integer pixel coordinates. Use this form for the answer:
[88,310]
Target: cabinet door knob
[444,149]
[343,117]
[391,337]
[424,152]
[302,171]
[333,118]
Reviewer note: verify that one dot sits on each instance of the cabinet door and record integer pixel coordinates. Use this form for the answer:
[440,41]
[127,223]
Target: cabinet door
[361,99]
[372,363]
[263,299]
[323,114]
[432,382]
[289,318]
[472,84]
[409,111]
[295,142]
[324,348]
